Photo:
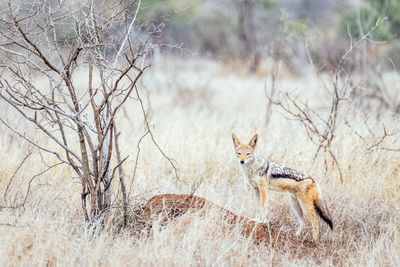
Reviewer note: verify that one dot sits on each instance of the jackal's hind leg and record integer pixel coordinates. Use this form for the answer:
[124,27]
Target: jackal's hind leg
[307,205]
[295,205]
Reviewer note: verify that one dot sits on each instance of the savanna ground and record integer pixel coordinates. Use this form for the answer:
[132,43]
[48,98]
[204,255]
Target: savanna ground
[193,106]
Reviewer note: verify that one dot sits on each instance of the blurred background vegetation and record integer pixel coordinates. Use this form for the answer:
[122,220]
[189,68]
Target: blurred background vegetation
[252,31]
[293,30]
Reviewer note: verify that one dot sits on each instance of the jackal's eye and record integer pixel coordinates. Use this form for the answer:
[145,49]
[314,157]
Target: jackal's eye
[239,153]
[248,154]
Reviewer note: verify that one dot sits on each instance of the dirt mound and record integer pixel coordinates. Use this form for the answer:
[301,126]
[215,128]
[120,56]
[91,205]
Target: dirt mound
[172,206]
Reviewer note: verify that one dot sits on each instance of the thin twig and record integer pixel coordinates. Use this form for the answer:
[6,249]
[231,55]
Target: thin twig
[152,136]
[15,172]
[29,186]
[136,161]
[125,199]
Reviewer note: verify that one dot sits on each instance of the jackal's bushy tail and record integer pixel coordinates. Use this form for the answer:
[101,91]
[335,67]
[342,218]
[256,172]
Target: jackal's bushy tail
[322,210]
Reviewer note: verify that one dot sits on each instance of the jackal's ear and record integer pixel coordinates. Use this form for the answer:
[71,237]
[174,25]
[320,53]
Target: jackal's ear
[253,141]
[236,141]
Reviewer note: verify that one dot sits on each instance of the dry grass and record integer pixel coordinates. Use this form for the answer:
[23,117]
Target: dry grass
[195,107]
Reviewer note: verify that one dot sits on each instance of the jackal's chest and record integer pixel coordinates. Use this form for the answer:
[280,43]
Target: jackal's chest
[250,177]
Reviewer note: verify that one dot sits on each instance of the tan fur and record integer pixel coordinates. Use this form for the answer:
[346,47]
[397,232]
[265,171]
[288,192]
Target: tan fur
[262,187]
[264,175]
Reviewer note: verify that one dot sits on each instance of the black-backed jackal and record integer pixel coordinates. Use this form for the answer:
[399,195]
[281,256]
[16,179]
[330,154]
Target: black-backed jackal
[261,174]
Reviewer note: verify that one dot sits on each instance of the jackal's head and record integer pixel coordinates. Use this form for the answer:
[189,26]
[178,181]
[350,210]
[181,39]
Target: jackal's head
[245,153]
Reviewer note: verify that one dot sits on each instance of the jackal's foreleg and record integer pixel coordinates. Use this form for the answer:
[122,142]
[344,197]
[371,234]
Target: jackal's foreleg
[258,196]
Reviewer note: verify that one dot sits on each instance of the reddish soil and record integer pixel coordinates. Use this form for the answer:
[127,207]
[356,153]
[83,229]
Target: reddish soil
[172,206]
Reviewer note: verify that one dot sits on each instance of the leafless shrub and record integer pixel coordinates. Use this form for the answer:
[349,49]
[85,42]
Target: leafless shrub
[321,129]
[49,41]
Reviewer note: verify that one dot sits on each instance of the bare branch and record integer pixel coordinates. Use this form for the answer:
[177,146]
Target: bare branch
[34,143]
[15,172]
[22,204]
[136,161]
[152,136]
[125,199]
